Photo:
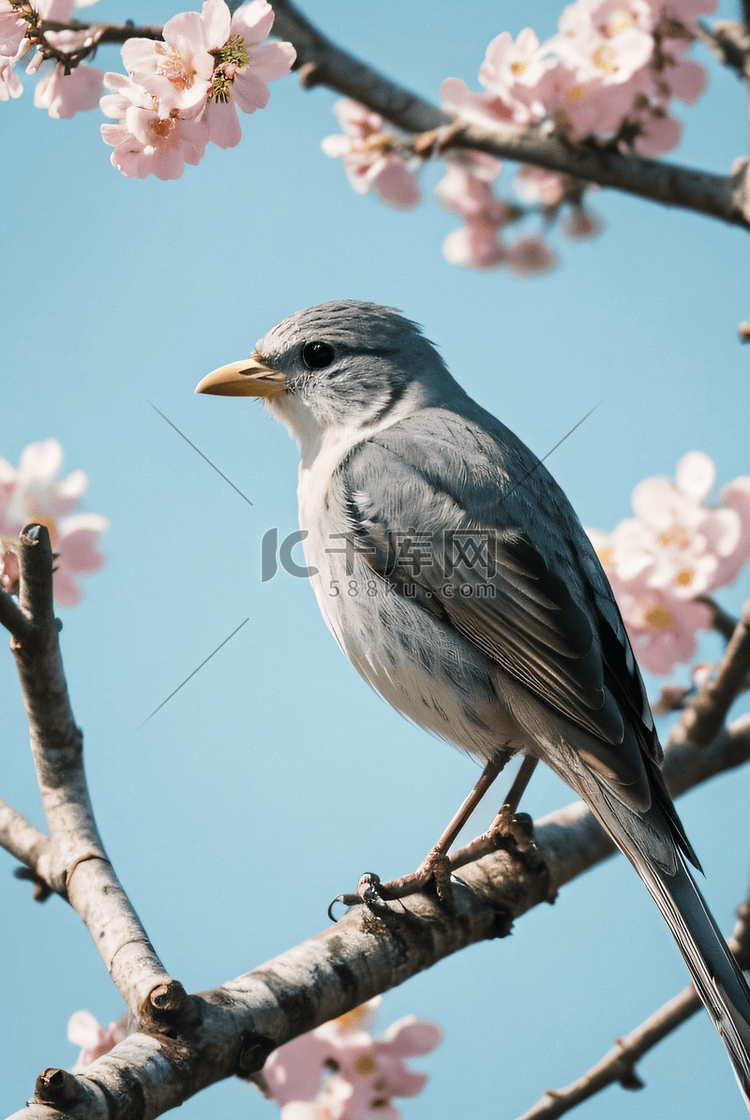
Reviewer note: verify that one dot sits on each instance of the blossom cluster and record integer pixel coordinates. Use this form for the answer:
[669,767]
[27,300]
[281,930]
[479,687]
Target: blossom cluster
[609,73]
[184,92]
[62,91]
[677,548]
[179,95]
[339,1072]
[33,493]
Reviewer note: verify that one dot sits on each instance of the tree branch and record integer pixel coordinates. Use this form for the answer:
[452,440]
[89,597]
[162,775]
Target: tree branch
[619,1063]
[704,716]
[321,62]
[232,1029]
[72,860]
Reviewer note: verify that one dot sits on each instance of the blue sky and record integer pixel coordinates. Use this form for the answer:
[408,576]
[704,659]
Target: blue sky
[275,777]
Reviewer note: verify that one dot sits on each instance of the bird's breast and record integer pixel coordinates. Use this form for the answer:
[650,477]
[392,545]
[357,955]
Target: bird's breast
[420,666]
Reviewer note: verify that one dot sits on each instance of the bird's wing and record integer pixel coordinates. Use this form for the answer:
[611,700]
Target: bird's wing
[426,504]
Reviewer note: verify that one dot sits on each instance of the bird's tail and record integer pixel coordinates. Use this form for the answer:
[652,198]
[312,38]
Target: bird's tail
[716,975]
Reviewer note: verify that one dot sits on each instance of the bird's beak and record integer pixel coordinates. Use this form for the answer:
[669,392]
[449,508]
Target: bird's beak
[249,378]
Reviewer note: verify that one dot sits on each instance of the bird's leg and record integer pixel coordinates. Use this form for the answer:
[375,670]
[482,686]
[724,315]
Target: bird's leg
[507,825]
[436,864]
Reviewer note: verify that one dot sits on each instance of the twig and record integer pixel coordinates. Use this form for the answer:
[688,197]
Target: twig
[729,42]
[71,860]
[619,1064]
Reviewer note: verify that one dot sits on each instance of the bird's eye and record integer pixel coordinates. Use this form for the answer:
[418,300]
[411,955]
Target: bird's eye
[317,355]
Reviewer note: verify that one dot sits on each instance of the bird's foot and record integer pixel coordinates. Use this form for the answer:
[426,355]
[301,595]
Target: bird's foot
[435,867]
[510,832]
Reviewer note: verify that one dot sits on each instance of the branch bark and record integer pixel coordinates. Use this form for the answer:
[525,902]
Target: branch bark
[72,860]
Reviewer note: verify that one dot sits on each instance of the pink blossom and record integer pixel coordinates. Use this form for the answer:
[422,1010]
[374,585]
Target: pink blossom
[178,71]
[33,493]
[583,106]
[676,548]
[494,109]
[470,196]
[506,63]
[660,133]
[64,95]
[13,29]
[606,39]
[144,142]
[10,83]
[537,184]
[84,1031]
[474,245]
[661,627]
[363,1074]
[211,58]
[529,256]
[373,159]
[466,189]
[684,79]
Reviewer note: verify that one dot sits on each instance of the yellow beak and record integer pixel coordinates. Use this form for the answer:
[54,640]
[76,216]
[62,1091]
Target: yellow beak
[249,378]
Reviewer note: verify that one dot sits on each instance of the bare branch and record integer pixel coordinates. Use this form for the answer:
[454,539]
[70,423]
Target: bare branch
[619,1064]
[72,861]
[729,42]
[24,842]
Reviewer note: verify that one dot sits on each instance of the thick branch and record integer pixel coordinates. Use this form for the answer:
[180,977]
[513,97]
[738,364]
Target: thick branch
[72,861]
[323,63]
[232,1029]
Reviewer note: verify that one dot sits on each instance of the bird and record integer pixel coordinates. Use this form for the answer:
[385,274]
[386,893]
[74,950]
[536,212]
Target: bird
[455,575]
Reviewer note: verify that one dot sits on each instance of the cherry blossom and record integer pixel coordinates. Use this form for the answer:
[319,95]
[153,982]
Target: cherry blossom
[144,142]
[676,548]
[529,256]
[183,92]
[580,224]
[363,1074]
[10,83]
[33,493]
[84,1031]
[606,39]
[612,62]
[63,95]
[13,29]
[374,160]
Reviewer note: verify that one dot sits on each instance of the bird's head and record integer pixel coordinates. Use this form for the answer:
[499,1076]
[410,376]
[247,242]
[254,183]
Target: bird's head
[341,366]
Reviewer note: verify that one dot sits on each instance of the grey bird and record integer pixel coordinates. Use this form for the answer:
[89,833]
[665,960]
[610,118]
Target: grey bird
[489,620]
